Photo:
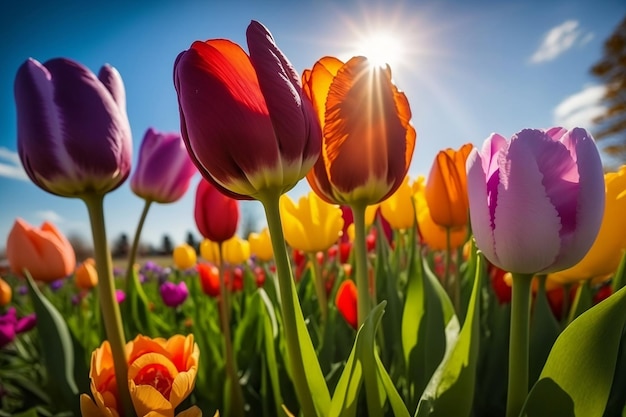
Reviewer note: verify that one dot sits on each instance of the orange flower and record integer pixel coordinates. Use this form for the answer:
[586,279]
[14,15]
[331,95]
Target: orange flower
[446,188]
[346,301]
[368,140]
[44,252]
[86,276]
[5,293]
[209,279]
[161,374]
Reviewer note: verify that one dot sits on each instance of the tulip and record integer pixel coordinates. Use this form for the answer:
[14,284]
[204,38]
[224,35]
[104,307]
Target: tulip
[161,374]
[434,235]
[261,245]
[398,208]
[216,214]
[209,279]
[446,188]
[368,140]
[11,325]
[210,251]
[311,225]
[44,251]
[164,170]
[184,256]
[346,301]
[236,251]
[605,254]
[536,202]
[172,294]
[73,134]
[86,276]
[245,121]
[536,205]
[5,293]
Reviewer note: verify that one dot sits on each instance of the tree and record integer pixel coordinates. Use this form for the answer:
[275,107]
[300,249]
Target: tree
[611,69]
[191,241]
[121,247]
[167,247]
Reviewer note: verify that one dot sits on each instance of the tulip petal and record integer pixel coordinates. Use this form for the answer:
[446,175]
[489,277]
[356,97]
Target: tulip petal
[182,387]
[193,411]
[481,219]
[524,214]
[88,408]
[147,399]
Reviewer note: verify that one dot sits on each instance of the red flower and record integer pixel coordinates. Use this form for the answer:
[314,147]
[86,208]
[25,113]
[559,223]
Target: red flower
[216,214]
[346,302]
[209,279]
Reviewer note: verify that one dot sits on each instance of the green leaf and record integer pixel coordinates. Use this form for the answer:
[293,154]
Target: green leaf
[270,332]
[619,279]
[582,361]
[582,302]
[57,348]
[450,391]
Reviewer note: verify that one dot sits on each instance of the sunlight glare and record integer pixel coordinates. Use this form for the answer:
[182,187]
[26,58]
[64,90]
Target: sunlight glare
[382,48]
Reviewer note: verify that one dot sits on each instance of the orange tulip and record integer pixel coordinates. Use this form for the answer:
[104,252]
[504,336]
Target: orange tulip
[161,374]
[86,276]
[5,293]
[368,141]
[44,252]
[446,188]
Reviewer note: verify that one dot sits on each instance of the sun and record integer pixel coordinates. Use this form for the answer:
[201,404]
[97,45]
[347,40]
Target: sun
[381,48]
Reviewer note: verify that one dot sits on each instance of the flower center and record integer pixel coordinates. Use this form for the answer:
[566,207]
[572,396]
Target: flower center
[157,376]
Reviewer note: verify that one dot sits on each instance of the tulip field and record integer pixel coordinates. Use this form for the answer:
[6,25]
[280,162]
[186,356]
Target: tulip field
[492,287]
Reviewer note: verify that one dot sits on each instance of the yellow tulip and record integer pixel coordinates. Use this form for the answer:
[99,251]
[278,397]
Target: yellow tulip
[606,251]
[312,225]
[5,293]
[210,251]
[434,235]
[261,245]
[86,276]
[398,208]
[236,250]
[184,256]
[446,188]
[161,374]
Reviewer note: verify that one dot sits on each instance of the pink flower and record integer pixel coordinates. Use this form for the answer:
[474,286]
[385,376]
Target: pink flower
[536,201]
[164,169]
[174,294]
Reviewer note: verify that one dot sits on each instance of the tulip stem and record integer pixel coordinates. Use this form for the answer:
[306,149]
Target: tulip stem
[320,288]
[235,397]
[108,301]
[452,282]
[288,302]
[519,344]
[360,259]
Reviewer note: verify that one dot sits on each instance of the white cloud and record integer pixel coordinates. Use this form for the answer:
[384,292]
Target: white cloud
[50,216]
[10,165]
[559,39]
[579,109]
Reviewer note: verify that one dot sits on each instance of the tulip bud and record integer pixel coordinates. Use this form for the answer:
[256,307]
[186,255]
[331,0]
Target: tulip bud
[164,170]
[346,301]
[5,293]
[86,276]
[173,294]
[261,245]
[216,214]
[184,256]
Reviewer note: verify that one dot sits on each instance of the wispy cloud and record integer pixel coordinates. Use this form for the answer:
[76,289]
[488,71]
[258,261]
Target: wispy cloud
[10,165]
[579,109]
[50,216]
[559,39]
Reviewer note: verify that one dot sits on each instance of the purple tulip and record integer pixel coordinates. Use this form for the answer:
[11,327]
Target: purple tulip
[174,294]
[11,325]
[537,201]
[164,169]
[73,134]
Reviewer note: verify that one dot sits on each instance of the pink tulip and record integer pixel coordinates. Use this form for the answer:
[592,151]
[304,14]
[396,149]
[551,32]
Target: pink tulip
[164,169]
[244,118]
[73,135]
[536,201]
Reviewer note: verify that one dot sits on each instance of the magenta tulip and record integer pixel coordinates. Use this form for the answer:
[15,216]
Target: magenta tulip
[172,294]
[11,325]
[244,118]
[164,170]
[536,201]
[73,134]
[216,214]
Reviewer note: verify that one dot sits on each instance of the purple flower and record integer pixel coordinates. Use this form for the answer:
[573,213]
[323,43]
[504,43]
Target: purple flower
[73,134]
[120,296]
[56,285]
[174,294]
[164,169]
[11,325]
[536,201]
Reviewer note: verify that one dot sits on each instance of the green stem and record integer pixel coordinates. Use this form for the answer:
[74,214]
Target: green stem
[285,282]
[451,280]
[360,258]
[320,288]
[108,301]
[235,405]
[518,345]
[132,256]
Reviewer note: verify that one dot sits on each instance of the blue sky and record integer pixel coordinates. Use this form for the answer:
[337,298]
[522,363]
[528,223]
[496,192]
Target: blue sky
[467,68]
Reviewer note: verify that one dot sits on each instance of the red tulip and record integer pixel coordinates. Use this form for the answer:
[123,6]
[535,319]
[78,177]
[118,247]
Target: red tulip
[346,302]
[216,214]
